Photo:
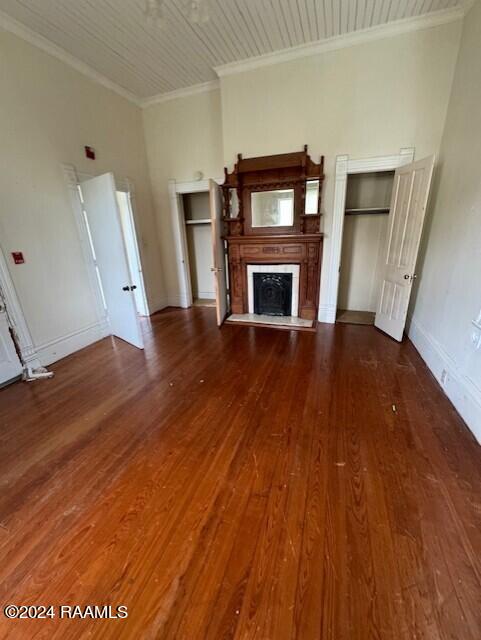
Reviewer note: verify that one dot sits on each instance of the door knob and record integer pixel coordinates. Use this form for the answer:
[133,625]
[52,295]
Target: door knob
[406,276]
[126,288]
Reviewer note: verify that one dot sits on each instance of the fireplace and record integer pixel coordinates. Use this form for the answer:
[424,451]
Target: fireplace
[273,293]
[277,288]
[272,214]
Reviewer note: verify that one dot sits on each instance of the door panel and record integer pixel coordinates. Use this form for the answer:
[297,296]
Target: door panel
[218,250]
[101,206]
[406,217]
[10,366]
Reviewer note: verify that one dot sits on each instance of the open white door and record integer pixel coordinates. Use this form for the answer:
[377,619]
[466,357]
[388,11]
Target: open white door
[10,366]
[103,217]
[218,250]
[406,217]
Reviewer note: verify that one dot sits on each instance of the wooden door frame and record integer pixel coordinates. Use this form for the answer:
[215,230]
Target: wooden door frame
[177,189]
[346,166]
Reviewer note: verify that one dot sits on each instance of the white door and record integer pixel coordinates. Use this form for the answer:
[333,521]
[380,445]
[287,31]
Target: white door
[10,366]
[218,249]
[406,217]
[132,247]
[103,216]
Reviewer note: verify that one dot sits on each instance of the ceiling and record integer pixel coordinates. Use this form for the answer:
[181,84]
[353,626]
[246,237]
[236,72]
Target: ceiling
[113,38]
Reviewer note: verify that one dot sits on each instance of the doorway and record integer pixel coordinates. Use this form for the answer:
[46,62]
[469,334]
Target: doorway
[198,232]
[113,252]
[197,212]
[410,193]
[368,197]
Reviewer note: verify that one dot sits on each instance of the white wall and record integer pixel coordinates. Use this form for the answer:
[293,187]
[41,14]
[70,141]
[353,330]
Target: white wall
[366,100]
[199,240]
[363,240]
[48,112]
[183,136]
[360,277]
[370,99]
[449,273]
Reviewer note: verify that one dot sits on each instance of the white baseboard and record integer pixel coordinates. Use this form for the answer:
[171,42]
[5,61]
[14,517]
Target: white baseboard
[206,295]
[63,346]
[327,313]
[460,389]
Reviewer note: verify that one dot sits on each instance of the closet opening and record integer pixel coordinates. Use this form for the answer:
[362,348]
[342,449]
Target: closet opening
[368,197]
[198,233]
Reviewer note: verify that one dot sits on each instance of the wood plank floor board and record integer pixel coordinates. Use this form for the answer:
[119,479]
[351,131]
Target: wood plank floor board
[241,483]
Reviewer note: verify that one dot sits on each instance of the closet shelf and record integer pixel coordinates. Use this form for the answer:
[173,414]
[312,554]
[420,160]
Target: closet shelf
[357,212]
[203,221]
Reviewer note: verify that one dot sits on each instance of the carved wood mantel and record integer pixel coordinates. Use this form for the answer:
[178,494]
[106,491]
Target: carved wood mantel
[299,243]
[302,249]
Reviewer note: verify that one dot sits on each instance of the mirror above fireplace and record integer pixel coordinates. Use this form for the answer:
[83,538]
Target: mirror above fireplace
[272,208]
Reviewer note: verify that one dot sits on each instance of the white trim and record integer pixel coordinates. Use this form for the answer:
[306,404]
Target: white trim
[193,90]
[63,346]
[194,186]
[462,391]
[16,316]
[73,178]
[344,167]
[184,298]
[176,189]
[206,295]
[388,30]
[25,33]
[293,269]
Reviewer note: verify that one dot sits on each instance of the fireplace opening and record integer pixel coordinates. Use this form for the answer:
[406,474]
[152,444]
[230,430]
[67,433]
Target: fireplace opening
[273,294]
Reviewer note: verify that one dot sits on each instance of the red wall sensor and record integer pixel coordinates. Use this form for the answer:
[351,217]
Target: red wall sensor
[18,257]
[90,153]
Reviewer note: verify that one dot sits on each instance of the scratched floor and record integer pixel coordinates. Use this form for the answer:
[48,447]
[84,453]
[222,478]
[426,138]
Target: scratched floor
[241,483]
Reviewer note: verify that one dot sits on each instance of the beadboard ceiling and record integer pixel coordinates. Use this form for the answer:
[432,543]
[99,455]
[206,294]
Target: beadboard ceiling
[113,39]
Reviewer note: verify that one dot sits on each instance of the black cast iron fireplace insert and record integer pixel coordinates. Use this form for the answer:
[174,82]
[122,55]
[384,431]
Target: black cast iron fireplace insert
[273,293]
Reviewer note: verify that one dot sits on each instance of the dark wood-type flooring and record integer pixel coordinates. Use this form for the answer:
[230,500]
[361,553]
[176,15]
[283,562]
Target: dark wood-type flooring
[241,483]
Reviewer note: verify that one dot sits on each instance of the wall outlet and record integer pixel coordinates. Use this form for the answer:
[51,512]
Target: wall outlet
[476,339]
[444,376]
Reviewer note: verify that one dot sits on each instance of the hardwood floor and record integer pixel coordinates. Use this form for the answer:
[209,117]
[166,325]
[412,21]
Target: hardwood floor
[241,483]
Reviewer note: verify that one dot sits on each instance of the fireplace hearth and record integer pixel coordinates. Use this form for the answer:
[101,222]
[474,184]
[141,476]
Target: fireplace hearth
[273,294]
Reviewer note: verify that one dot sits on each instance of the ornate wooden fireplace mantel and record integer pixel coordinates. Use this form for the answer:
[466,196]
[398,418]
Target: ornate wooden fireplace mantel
[271,224]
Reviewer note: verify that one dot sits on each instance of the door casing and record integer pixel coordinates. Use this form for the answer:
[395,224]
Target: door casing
[332,257]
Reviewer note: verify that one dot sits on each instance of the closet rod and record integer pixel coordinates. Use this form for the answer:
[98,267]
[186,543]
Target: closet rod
[202,221]
[357,212]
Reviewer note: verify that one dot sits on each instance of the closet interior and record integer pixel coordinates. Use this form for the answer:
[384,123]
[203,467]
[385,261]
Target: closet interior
[198,234]
[368,198]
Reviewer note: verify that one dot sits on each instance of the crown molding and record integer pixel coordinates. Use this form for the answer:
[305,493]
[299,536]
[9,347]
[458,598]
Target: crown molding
[13,26]
[284,55]
[379,32]
[180,93]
